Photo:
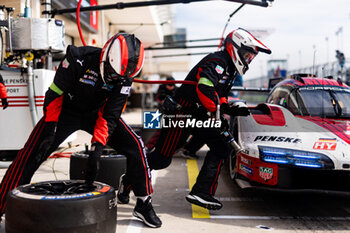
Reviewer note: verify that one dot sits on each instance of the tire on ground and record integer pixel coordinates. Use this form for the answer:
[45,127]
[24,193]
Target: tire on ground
[61,207]
[112,166]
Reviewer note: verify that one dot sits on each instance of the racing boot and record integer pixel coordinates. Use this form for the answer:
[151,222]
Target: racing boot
[204,200]
[123,194]
[144,211]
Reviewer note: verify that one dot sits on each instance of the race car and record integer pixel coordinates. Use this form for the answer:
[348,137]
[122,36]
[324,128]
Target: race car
[298,139]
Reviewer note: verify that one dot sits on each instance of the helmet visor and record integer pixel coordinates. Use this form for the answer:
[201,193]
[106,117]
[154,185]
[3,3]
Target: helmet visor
[246,55]
[111,76]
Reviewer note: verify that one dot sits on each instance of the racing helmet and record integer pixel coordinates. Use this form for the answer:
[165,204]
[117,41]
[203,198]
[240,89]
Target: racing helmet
[121,58]
[242,48]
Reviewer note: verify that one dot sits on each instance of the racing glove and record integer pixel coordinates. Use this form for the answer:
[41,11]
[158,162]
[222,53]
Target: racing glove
[93,164]
[169,105]
[4,102]
[234,110]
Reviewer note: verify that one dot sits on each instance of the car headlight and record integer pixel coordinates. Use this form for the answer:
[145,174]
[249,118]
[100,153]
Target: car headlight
[296,158]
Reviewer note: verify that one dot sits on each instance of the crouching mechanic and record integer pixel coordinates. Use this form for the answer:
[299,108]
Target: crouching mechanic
[3,94]
[89,92]
[214,75]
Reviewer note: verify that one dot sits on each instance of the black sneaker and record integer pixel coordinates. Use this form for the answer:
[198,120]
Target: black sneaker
[145,212]
[188,155]
[204,200]
[123,194]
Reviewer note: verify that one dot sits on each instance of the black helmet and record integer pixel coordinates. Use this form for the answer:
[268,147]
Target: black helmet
[121,58]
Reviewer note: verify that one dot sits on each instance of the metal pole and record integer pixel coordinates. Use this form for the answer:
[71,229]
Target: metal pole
[263,3]
[228,21]
[122,5]
[31,94]
[47,5]
[185,41]
[313,66]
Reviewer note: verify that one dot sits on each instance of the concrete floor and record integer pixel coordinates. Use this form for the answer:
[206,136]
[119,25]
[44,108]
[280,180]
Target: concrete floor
[243,211]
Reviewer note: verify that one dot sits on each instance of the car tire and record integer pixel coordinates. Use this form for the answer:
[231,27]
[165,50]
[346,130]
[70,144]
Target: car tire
[68,206]
[112,166]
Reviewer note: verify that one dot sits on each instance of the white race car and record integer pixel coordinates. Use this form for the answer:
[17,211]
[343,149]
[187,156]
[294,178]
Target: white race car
[298,139]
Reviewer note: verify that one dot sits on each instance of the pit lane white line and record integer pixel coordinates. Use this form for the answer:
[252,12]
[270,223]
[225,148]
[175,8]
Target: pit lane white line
[237,199]
[227,199]
[238,217]
[135,225]
[309,218]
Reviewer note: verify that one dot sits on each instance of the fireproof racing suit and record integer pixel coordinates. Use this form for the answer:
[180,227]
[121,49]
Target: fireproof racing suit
[78,99]
[3,93]
[214,75]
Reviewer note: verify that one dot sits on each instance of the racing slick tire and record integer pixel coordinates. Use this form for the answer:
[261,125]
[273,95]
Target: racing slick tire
[112,166]
[68,206]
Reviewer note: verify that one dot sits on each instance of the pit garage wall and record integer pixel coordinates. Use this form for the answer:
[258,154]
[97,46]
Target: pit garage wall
[16,122]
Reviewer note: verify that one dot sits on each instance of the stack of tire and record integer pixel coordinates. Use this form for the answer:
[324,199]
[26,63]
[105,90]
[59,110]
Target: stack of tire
[112,166]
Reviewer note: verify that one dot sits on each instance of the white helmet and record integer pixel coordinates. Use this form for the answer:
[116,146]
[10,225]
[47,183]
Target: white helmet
[121,58]
[243,47]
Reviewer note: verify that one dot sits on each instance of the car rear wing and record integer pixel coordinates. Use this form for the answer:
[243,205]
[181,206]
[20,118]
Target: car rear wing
[272,83]
[252,89]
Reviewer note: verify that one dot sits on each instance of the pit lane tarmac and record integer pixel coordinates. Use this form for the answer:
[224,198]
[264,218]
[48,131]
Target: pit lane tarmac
[243,211]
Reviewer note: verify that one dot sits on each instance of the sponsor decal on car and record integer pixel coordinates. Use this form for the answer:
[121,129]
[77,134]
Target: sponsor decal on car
[258,171]
[246,169]
[277,139]
[266,172]
[325,144]
[347,129]
[246,161]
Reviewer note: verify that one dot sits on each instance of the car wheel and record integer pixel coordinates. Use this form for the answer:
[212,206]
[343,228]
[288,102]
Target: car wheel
[61,206]
[233,156]
[112,166]
[232,165]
